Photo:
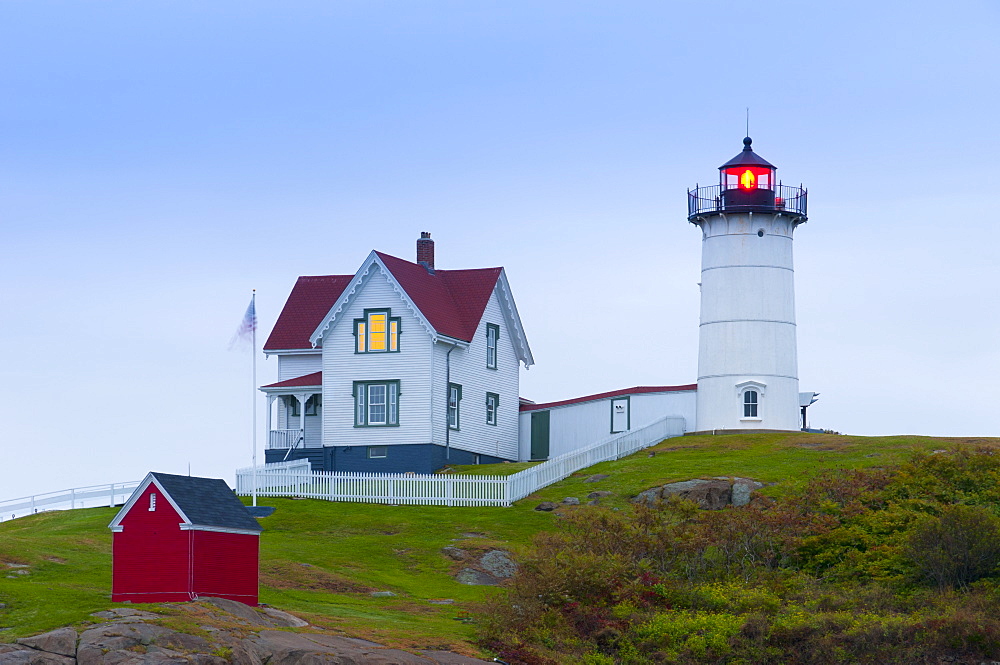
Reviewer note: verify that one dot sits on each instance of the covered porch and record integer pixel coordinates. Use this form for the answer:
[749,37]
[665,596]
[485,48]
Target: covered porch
[294,415]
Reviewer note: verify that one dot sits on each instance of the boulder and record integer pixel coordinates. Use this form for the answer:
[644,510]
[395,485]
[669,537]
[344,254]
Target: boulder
[280,648]
[708,494]
[183,642]
[571,501]
[546,506]
[713,494]
[11,655]
[454,553]
[61,641]
[99,645]
[284,618]
[650,497]
[382,594]
[498,564]
[599,495]
[242,611]
[594,478]
[742,489]
[475,577]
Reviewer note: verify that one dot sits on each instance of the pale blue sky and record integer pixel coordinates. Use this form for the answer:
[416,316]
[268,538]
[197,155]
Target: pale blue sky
[158,160]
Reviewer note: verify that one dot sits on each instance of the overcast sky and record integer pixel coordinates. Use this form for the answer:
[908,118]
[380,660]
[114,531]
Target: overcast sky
[158,160]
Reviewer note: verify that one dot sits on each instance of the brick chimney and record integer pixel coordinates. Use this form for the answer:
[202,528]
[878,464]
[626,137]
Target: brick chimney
[425,251]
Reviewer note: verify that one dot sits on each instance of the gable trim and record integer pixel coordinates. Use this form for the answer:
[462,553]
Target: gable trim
[116,523]
[360,279]
[218,529]
[513,319]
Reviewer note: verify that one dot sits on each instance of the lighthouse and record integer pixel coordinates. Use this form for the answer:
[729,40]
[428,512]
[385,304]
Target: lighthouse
[747,364]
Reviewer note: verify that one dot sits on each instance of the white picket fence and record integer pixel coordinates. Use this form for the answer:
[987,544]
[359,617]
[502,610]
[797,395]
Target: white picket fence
[77,497]
[296,478]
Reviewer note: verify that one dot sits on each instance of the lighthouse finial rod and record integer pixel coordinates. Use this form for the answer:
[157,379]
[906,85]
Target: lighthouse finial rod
[748,122]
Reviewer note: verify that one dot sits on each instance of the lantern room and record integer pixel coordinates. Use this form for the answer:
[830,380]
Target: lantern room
[747,179]
[747,183]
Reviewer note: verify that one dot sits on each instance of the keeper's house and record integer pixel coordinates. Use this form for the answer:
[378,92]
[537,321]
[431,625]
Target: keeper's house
[398,367]
[178,538]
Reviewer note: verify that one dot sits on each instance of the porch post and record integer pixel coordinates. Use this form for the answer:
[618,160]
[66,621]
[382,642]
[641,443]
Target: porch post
[302,397]
[270,402]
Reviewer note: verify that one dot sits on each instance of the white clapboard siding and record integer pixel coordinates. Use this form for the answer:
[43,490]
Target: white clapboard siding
[291,366]
[468,369]
[342,366]
[574,426]
[296,479]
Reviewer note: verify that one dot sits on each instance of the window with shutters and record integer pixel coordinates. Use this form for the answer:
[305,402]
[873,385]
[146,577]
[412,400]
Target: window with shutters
[377,332]
[492,337]
[376,403]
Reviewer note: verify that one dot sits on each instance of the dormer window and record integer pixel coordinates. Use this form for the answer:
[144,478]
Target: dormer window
[377,332]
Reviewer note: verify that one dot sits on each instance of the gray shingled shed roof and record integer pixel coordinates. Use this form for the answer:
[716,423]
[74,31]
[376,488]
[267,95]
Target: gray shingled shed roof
[207,501]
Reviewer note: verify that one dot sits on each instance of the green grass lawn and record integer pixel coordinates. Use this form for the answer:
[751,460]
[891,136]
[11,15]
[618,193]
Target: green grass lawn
[322,559]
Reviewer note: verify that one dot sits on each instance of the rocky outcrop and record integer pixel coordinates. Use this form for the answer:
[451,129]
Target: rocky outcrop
[133,637]
[709,494]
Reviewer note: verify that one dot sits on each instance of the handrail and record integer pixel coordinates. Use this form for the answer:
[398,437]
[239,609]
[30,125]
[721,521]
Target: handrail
[109,495]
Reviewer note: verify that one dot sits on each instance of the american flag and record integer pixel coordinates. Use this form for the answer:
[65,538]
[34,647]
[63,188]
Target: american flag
[244,335]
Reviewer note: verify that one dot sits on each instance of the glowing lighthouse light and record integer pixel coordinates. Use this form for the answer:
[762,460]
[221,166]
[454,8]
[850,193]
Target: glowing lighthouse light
[747,180]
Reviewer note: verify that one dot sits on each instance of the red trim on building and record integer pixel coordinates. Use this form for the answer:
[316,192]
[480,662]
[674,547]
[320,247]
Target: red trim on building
[637,390]
[313,380]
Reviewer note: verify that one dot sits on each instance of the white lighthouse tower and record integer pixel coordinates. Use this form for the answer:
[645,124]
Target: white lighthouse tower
[747,364]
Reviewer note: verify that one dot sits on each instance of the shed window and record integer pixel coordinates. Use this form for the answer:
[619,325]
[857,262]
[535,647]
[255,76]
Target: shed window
[152,501]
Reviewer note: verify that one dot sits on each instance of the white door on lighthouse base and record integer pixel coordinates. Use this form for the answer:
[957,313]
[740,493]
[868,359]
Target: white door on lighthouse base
[619,415]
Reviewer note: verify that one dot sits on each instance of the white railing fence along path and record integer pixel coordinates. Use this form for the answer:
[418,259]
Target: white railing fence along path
[295,478]
[77,497]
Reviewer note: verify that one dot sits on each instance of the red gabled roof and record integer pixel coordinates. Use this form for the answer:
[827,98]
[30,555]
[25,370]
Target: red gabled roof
[452,300]
[614,393]
[310,300]
[314,379]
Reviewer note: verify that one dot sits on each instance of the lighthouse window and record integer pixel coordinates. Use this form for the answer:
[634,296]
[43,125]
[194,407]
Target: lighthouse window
[750,404]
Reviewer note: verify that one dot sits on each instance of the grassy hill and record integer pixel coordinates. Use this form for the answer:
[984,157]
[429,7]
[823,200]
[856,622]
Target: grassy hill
[322,560]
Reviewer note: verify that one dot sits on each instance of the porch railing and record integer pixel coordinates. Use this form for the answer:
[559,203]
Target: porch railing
[284,438]
[295,478]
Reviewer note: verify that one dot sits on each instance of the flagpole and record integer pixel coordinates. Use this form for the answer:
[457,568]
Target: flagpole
[253,361]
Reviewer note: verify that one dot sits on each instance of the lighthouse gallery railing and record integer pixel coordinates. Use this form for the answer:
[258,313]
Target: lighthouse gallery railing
[706,200]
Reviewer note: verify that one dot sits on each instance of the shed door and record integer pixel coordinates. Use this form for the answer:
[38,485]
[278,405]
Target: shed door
[619,415]
[540,435]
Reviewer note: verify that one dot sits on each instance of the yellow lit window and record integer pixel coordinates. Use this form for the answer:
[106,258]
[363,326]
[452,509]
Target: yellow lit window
[377,332]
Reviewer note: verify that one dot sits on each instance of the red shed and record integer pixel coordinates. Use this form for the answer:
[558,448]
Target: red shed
[178,538]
